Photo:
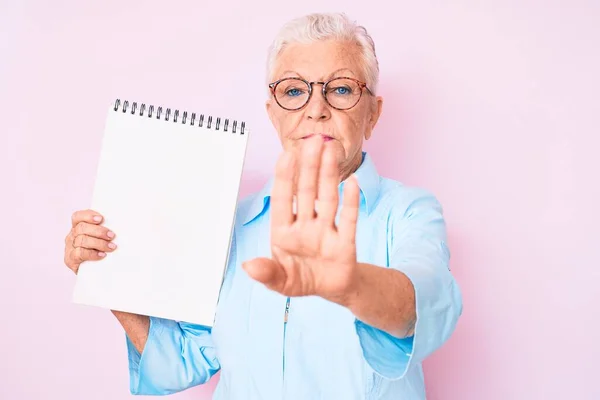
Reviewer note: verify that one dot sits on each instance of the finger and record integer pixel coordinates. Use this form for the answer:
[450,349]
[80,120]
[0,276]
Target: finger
[69,238]
[97,231]
[89,216]
[349,213]
[308,178]
[329,179]
[81,254]
[282,194]
[92,243]
[266,271]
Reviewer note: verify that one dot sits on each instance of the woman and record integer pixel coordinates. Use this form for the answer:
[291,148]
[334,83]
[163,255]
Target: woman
[318,301]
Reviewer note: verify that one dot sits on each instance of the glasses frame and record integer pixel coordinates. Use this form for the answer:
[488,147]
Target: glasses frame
[361,85]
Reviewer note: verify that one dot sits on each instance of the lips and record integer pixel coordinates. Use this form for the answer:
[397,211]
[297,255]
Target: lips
[326,138]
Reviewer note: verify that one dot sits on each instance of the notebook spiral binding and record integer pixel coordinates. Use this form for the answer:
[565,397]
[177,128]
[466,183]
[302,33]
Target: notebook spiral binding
[149,112]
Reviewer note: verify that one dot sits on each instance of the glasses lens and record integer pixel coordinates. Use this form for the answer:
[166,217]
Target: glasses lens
[292,93]
[342,93]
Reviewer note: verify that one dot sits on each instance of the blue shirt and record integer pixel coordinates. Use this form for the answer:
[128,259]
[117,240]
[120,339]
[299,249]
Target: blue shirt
[322,351]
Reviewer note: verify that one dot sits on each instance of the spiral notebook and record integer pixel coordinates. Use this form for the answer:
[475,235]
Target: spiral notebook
[167,184]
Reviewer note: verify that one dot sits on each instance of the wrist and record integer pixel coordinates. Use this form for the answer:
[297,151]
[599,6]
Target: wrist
[348,297]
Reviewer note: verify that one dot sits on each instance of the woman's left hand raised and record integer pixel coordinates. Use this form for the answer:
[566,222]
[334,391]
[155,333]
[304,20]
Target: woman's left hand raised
[310,255]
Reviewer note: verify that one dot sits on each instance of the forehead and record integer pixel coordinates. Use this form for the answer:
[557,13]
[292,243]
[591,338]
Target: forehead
[320,59]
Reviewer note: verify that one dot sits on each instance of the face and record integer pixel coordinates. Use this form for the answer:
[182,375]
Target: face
[344,130]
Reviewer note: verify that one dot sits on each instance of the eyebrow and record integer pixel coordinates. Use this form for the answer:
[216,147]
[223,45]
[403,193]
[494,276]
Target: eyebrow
[331,75]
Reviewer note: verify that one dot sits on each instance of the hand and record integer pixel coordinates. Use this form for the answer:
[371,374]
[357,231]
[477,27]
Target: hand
[310,255]
[87,240]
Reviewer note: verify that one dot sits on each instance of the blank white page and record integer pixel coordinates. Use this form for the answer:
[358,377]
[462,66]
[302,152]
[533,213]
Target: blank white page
[169,192]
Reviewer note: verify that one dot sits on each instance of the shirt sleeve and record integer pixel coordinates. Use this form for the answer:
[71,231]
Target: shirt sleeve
[418,248]
[176,356]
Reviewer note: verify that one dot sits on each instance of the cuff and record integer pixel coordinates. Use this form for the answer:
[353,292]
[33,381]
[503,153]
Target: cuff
[137,360]
[176,356]
[387,355]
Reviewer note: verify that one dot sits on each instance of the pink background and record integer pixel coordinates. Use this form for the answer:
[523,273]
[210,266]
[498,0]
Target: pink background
[494,106]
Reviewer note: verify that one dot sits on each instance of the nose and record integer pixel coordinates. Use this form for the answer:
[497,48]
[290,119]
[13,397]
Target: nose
[317,108]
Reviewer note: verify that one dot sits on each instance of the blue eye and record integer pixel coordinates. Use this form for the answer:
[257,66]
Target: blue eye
[293,92]
[342,90]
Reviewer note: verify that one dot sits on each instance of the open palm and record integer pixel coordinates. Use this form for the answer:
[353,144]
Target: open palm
[310,254]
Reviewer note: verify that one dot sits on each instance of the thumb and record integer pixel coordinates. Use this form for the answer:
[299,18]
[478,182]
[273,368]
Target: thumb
[266,271]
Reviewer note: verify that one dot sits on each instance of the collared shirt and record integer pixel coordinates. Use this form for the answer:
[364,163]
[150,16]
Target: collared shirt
[320,350]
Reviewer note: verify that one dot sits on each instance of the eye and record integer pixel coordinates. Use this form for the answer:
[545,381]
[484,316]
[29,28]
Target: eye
[293,92]
[340,90]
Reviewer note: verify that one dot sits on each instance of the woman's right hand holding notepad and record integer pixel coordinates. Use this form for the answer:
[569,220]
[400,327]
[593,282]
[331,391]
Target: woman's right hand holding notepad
[87,240]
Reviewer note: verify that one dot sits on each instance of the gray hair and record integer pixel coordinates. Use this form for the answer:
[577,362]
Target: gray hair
[323,26]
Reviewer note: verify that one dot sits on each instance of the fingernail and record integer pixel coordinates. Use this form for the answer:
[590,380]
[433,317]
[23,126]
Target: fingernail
[101,254]
[97,218]
[110,234]
[112,246]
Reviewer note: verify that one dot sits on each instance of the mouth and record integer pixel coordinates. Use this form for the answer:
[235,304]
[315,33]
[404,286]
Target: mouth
[326,138]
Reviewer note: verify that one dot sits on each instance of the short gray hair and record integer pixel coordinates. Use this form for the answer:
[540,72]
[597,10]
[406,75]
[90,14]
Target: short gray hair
[323,26]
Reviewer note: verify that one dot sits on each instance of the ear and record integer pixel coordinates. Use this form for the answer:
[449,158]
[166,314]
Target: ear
[376,109]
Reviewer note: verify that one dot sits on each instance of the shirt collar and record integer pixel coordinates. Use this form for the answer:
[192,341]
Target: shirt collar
[368,182]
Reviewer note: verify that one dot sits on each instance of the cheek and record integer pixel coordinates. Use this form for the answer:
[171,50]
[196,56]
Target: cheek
[352,128]
[287,125]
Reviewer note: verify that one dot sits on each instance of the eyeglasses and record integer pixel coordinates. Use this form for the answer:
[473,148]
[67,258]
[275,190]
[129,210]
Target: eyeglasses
[341,93]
